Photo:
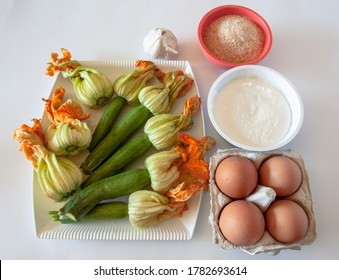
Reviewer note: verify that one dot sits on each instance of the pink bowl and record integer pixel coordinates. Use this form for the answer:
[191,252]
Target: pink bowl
[220,11]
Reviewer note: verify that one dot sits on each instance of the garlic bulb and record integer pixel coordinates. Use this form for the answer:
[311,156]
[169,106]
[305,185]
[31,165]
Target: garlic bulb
[160,43]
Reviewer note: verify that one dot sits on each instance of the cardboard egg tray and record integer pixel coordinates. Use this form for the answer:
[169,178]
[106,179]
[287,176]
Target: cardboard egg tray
[267,243]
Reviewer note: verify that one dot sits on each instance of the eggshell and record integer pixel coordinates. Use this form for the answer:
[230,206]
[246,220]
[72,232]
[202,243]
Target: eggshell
[286,221]
[236,177]
[242,223]
[280,173]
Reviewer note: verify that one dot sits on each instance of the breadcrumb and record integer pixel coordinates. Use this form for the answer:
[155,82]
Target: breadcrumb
[234,38]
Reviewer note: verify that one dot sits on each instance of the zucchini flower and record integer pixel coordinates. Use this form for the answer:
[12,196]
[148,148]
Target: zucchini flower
[91,87]
[176,175]
[177,81]
[183,163]
[159,99]
[58,177]
[150,207]
[163,170]
[156,99]
[162,130]
[147,208]
[68,134]
[129,85]
[132,121]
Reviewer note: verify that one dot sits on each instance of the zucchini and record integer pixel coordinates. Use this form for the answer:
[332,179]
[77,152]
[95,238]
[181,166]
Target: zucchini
[127,154]
[110,114]
[160,131]
[103,211]
[77,206]
[133,120]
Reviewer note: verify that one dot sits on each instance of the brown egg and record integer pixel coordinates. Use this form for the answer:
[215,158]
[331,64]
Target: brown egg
[286,221]
[242,223]
[280,173]
[236,176]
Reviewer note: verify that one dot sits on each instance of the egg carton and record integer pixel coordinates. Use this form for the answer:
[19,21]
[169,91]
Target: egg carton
[267,243]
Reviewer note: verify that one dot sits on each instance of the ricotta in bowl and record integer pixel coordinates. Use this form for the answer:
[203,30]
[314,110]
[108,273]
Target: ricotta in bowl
[255,108]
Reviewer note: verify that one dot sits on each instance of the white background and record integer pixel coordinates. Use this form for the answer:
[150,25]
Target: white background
[305,49]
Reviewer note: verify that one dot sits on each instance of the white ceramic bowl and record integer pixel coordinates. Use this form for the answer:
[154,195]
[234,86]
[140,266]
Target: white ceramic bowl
[275,79]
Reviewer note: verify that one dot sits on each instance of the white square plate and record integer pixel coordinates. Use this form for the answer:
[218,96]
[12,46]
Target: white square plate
[172,229]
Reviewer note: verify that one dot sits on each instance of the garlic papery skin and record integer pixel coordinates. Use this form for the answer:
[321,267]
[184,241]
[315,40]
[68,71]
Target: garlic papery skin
[67,140]
[262,197]
[160,43]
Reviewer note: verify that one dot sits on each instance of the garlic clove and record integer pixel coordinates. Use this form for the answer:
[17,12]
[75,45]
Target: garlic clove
[262,197]
[152,43]
[160,43]
[169,42]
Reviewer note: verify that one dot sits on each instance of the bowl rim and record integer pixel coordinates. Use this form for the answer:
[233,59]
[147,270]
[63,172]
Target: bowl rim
[222,63]
[285,140]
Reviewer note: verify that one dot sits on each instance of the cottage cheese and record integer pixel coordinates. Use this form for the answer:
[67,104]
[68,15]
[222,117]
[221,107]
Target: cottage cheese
[252,112]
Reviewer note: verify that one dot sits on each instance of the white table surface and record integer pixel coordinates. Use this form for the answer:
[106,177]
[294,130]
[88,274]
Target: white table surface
[305,49]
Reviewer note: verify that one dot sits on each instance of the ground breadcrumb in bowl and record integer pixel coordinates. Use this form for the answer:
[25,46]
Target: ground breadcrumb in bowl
[233,35]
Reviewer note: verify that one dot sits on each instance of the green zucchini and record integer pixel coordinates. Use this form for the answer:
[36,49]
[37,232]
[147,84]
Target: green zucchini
[110,114]
[127,154]
[133,120]
[77,206]
[102,211]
